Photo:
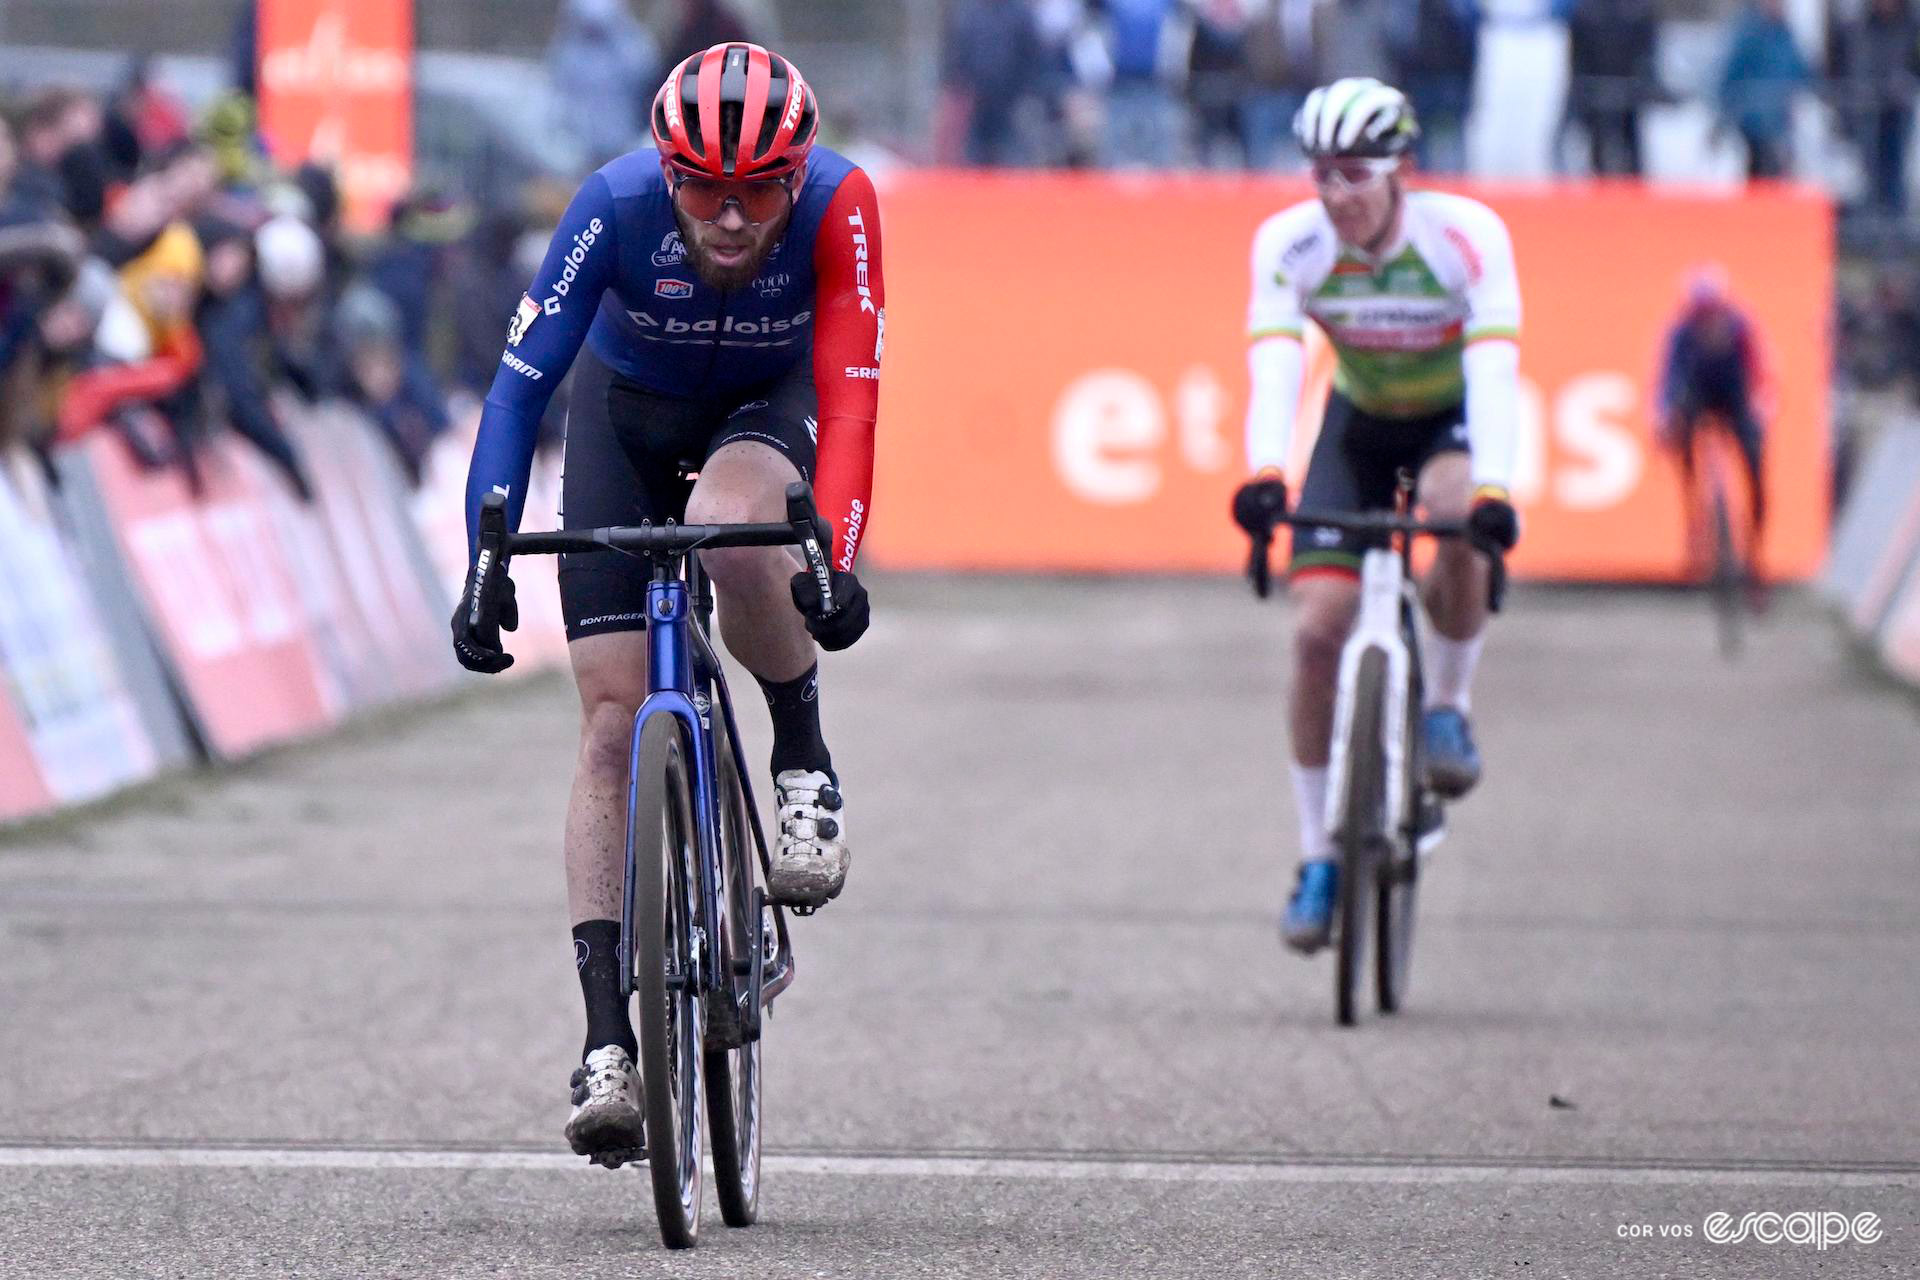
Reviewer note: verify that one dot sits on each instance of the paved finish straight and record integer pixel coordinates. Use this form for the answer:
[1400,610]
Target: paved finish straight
[314,1015]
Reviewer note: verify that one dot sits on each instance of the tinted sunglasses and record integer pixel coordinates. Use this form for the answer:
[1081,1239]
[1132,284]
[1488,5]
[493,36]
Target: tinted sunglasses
[1349,172]
[706,199]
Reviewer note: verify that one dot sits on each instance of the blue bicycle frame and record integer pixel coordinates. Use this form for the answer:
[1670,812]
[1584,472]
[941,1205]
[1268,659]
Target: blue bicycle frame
[683,679]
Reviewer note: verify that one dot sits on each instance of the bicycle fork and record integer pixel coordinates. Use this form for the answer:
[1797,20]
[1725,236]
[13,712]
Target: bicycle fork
[1383,587]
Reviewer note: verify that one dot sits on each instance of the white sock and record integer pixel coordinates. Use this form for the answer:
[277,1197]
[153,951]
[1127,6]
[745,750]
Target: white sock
[1310,803]
[1449,672]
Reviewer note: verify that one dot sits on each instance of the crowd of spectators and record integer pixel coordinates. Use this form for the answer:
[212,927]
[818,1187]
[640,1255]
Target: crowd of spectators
[160,278]
[1172,83]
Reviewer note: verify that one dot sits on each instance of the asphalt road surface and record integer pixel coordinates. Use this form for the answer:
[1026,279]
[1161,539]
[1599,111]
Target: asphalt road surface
[313,1015]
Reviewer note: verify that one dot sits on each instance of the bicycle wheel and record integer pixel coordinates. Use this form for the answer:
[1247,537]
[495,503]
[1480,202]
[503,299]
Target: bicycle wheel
[664,907]
[1399,884]
[1360,831]
[733,1071]
[1729,577]
[1399,881]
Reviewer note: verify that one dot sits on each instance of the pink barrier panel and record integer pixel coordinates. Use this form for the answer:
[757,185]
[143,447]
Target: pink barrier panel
[368,549]
[219,582]
[440,509]
[56,659]
[22,789]
[1900,638]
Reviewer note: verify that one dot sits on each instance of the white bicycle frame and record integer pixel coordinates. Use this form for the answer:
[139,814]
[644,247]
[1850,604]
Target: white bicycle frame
[1384,590]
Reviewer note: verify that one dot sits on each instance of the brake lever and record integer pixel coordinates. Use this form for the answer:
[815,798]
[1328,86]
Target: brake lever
[491,556]
[811,532]
[1496,573]
[1260,565]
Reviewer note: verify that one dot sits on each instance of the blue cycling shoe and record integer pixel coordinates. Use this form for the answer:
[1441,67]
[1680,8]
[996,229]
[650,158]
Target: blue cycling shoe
[1453,762]
[1308,922]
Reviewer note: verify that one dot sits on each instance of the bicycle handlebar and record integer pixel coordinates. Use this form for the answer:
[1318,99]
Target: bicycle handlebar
[803,528]
[1260,568]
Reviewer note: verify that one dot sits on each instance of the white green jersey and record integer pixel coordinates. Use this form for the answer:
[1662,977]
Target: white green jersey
[1401,323]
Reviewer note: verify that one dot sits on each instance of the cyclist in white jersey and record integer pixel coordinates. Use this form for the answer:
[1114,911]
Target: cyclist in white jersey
[1417,293]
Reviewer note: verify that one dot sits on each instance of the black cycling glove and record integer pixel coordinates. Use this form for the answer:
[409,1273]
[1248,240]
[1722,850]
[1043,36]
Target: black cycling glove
[1493,521]
[1259,502]
[486,608]
[851,613]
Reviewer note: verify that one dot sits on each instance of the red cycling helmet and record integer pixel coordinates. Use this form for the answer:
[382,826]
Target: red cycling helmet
[736,112]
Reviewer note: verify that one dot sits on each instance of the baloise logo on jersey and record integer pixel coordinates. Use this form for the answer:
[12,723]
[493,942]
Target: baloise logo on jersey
[583,241]
[730,331]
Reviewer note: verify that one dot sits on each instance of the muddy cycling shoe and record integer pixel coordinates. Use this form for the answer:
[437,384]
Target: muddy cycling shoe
[1453,762]
[810,864]
[1308,922]
[608,1122]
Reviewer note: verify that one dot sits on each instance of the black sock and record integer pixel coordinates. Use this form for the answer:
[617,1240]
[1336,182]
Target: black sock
[596,952]
[795,705]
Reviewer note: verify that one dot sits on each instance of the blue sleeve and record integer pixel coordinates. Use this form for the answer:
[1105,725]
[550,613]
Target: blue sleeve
[542,340]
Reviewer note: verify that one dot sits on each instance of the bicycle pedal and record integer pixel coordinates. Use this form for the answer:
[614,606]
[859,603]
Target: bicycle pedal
[619,1156]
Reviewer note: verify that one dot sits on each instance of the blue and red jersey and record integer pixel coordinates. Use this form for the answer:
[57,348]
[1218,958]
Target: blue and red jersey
[616,277]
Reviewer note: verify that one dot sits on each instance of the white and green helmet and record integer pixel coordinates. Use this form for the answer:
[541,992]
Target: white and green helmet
[1358,116]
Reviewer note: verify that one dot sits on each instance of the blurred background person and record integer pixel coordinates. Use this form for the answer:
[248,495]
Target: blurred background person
[1765,71]
[1611,55]
[1284,40]
[154,112]
[57,127]
[1712,375]
[242,364]
[1079,70]
[397,393]
[992,63]
[703,24]
[1874,62]
[1219,80]
[1435,47]
[604,65]
[415,265]
[1146,116]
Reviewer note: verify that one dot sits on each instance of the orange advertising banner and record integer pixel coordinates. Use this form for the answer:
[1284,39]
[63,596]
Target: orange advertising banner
[1066,383]
[336,87]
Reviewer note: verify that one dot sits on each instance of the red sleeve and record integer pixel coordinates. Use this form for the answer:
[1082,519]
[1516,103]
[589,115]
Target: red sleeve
[850,324]
[93,395]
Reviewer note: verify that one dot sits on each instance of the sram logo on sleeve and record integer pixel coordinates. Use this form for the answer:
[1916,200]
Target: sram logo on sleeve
[523,317]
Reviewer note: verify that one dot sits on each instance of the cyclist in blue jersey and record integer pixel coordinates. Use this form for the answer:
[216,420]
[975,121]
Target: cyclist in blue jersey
[725,285]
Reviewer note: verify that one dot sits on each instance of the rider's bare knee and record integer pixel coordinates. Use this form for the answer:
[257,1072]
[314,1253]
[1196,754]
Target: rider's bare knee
[1317,640]
[737,570]
[606,738]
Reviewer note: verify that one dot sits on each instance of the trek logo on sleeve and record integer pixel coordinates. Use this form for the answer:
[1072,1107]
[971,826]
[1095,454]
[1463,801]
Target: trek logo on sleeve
[859,226]
[523,317]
